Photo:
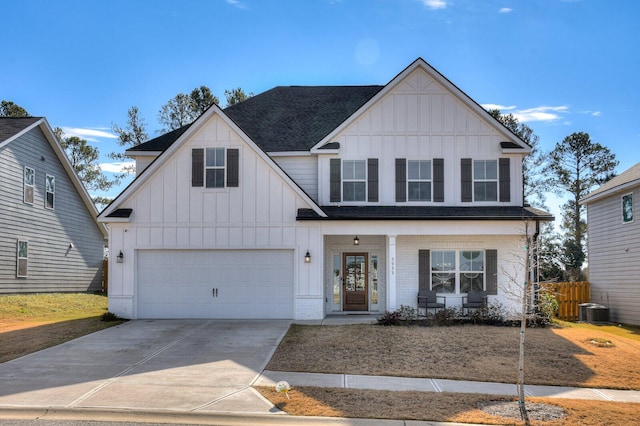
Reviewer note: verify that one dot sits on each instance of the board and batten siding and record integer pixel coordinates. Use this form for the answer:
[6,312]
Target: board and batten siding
[168,213]
[420,119]
[614,257]
[52,266]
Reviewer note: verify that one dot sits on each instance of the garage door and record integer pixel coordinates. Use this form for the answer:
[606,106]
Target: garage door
[215,284]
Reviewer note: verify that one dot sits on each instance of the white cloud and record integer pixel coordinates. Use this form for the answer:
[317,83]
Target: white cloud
[237,3]
[88,134]
[596,113]
[505,10]
[502,108]
[116,167]
[435,4]
[541,113]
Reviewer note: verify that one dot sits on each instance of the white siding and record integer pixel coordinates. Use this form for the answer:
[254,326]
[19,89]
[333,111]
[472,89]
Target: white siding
[260,213]
[303,170]
[614,257]
[420,119]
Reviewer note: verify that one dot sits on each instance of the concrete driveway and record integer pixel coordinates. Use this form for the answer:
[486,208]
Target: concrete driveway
[175,365]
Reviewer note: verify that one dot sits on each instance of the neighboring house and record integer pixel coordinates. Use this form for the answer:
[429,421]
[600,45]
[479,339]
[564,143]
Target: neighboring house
[50,240]
[613,239]
[303,202]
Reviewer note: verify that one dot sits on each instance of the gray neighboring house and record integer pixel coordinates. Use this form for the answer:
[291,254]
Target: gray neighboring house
[614,246]
[50,240]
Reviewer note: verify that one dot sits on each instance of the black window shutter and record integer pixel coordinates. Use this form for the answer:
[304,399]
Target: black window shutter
[372,179]
[492,271]
[438,180]
[401,180]
[424,269]
[335,193]
[233,167]
[504,173]
[197,167]
[466,173]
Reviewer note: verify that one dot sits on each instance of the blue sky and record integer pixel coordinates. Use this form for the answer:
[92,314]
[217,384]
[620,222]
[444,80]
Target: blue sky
[561,66]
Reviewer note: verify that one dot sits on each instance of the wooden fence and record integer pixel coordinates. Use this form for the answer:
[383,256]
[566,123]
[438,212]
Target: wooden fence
[569,296]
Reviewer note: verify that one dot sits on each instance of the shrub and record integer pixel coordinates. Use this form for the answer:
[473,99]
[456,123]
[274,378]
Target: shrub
[390,318]
[446,316]
[109,317]
[407,313]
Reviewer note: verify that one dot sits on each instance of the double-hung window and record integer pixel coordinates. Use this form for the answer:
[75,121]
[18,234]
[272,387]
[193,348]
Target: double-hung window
[419,180]
[485,180]
[214,168]
[627,208]
[457,271]
[50,189]
[354,180]
[22,258]
[29,183]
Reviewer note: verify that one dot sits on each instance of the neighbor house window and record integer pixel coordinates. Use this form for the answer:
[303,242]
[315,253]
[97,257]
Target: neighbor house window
[29,180]
[457,271]
[214,168]
[50,189]
[419,180]
[627,208]
[354,180]
[23,258]
[485,180]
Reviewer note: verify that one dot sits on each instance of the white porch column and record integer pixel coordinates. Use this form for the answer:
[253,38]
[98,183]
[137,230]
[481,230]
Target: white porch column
[391,269]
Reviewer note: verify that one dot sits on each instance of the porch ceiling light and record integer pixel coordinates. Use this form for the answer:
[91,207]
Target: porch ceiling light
[307,257]
[356,241]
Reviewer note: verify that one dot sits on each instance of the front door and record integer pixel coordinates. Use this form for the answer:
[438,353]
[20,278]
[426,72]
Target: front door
[355,284]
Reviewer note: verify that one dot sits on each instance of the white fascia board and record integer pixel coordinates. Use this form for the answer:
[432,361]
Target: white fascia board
[625,187]
[289,153]
[515,151]
[130,153]
[159,162]
[442,80]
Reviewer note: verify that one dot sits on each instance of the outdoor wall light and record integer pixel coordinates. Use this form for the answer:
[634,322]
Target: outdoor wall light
[120,257]
[356,241]
[307,257]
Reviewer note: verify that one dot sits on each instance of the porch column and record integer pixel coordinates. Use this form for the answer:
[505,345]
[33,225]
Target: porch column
[391,273]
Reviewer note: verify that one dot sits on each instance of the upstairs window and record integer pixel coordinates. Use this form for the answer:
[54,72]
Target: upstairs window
[627,208]
[29,181]
[419,180]
[214,168]
[485,180]
[50,189]
[22,259]
[354,180]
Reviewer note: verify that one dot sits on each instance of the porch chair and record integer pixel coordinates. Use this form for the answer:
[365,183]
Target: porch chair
[474,299]
[428,299]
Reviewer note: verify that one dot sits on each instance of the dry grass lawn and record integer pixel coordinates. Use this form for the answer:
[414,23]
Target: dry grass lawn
[29,323]
[587,356]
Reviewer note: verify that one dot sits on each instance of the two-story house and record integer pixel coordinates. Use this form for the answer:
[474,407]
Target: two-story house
[303,202]
[50,239]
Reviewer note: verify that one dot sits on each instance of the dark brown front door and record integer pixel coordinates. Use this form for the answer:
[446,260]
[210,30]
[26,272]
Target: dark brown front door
[355,286]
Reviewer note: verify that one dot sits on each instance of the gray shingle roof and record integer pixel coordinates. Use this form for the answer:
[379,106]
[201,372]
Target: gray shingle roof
[425,213]
[10,126]
[286,118]
[627,177]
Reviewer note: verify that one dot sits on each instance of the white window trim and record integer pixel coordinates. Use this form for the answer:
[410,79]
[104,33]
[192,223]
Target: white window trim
[475,180]
[47,192]
[18,258]
[25,185]
[430,180]
[223,168]
[456,271]
[622,205]
[344,180]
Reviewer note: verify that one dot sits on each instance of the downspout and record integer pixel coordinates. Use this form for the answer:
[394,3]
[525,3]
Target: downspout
[535,286]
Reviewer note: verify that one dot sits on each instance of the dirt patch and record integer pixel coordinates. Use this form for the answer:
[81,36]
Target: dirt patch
[511,409]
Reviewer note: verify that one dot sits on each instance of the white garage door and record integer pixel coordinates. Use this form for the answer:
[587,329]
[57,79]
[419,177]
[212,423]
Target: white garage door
[215,283]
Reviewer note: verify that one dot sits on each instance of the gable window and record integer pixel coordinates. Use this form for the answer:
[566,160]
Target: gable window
[354,180]
[22,258]
[29,180]
[627,208]
[50,189]
[485,180]
[214,168]
[457,271]
[419,180]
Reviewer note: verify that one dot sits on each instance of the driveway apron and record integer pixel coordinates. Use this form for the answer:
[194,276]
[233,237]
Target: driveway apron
[174,365]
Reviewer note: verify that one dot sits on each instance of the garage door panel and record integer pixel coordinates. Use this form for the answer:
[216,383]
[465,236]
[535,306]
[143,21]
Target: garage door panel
[249,283]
